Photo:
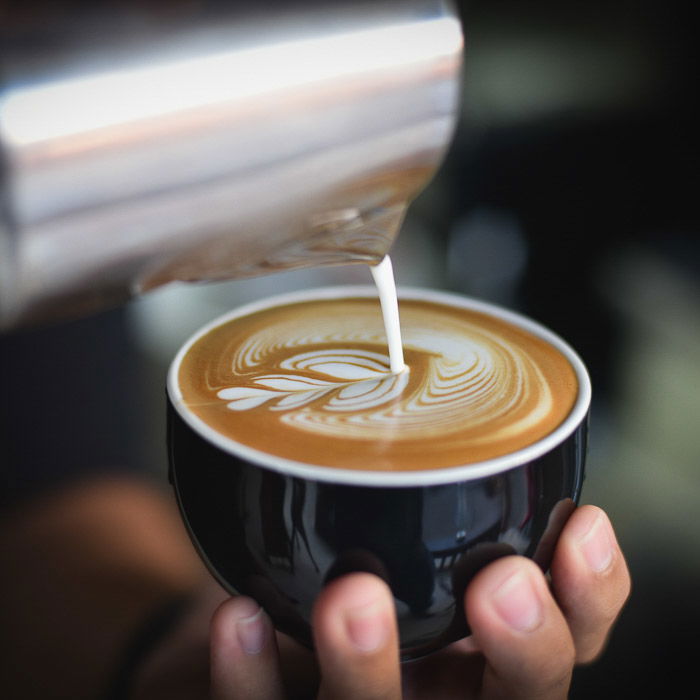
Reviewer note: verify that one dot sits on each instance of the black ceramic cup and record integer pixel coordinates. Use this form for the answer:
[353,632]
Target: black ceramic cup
[278,530]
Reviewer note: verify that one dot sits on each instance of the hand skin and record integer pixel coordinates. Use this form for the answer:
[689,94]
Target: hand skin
[528,634]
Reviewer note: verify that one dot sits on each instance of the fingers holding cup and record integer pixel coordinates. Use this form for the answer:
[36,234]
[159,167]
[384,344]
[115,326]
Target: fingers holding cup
[243,653]
[521,632]
[356,640]
[590,580]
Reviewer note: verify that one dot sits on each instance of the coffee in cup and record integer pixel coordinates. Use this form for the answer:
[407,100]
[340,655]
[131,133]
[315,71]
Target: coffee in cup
[297,455]
[309,381]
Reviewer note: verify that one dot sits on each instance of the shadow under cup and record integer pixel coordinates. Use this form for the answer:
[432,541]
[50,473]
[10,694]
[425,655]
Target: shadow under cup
[279,534]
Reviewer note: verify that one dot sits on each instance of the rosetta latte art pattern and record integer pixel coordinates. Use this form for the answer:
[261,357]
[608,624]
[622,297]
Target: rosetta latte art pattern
[473,377]
[311,382]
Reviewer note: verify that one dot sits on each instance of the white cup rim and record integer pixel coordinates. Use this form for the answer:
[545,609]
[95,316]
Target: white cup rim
[364,477]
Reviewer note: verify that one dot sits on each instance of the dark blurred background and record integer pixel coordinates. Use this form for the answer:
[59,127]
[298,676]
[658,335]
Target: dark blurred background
[569,194]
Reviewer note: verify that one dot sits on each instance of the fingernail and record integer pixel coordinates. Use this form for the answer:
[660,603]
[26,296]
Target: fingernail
[517,602]
[367,626]
[595,543]
[251,632]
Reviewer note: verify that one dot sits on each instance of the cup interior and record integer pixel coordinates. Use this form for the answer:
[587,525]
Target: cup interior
[466,472]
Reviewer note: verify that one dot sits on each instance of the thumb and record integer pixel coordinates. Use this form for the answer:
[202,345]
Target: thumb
[520,630]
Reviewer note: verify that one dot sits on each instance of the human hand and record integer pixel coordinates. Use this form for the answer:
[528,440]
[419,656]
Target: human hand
[528,633]
[527,636]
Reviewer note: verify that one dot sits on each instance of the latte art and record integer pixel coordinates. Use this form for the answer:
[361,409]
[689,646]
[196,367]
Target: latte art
[311,382]
[360,378]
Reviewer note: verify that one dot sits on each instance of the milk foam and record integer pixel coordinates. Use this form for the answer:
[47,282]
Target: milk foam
[359,376]
[472,377]
[312,382]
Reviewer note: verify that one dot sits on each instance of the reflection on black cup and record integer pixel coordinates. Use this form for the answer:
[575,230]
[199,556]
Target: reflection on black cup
[279,535]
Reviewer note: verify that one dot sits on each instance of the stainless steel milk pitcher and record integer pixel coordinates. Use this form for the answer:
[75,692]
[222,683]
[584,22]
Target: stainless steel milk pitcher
[209,142]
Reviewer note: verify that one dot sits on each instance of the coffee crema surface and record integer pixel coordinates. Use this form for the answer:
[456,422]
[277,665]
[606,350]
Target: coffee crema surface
[310,382]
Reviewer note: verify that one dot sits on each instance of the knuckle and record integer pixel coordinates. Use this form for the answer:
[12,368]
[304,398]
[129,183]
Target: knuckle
[625,585]
[619,589]
[556,667]
[589,654]
[601,615]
